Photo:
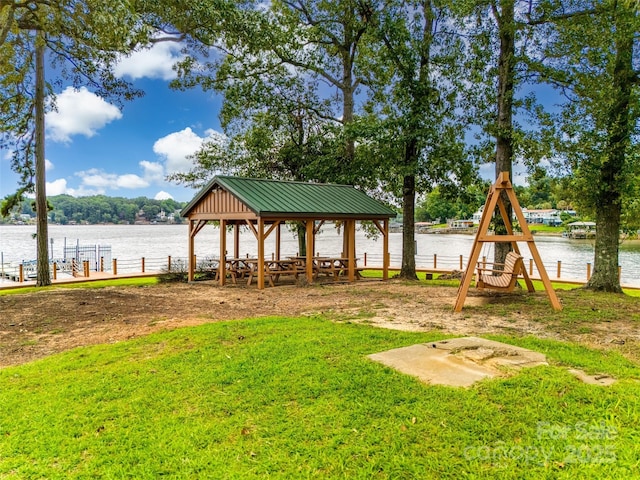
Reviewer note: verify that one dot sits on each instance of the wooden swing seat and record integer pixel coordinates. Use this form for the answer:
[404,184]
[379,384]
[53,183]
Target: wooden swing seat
[501,280]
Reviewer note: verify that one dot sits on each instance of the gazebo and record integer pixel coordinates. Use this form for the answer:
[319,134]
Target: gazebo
[264,205]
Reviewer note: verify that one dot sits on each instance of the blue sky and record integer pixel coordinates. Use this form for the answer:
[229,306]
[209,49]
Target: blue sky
[93,148]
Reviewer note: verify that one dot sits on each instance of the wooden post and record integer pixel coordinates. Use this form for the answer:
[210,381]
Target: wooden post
[261,265]
[169,264]
[85,268]
[74,268]
[236,240]
[435,260]
[588,271]
[365,259]
[222,266]
[310,229]
[531,266]
[461,262]
[386,256]
[191,269]
[21,273]
[559,268]
[115,266]
[494,200]
[619,272]
[351,250]
[142,264]
[55,271]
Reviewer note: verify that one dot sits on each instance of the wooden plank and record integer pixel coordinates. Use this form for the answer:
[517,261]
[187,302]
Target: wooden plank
[503,239]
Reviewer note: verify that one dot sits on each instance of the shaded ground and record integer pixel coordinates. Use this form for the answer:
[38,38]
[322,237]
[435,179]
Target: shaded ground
[38,324]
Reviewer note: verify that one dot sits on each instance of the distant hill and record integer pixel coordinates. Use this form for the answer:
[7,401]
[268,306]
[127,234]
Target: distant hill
[98,209]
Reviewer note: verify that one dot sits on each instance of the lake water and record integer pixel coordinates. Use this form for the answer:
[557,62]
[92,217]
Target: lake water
[129,243]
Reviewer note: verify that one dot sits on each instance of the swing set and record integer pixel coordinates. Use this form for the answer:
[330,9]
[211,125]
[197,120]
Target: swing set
[503,277]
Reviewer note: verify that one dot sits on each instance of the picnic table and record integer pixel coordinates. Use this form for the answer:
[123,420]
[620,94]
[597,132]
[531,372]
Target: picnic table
[334,267]
[247,268]
[239,268]
[276,268]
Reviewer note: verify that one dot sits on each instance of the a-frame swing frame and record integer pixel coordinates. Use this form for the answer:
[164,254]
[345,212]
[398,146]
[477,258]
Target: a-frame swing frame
[494,199]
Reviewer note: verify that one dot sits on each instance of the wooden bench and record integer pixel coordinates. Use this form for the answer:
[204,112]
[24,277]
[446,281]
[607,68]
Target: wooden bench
[502,280]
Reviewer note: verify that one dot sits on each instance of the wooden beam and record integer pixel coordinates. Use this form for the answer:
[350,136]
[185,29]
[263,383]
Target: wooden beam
[385,249]
[227,216]
[310,245]
[191,266]
[260,254]
[222,262]
[351,250]
[252,228]
[494,200]
[236,240]
[198,225]
[271,228]
[502,238]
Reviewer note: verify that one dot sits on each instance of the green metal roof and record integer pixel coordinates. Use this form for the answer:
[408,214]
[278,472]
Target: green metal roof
[281,198]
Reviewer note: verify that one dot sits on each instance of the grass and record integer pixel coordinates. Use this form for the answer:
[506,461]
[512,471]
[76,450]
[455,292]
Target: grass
[539,228]
[120,282]
[298,398]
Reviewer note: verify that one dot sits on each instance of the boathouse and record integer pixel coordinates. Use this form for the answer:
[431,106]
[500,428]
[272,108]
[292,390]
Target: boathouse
[265,205]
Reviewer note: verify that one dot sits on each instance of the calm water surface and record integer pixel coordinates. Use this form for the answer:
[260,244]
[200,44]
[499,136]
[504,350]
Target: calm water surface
[132,242]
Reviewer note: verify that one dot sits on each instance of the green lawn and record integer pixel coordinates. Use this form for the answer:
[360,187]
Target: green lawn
[297,398]
[120,282]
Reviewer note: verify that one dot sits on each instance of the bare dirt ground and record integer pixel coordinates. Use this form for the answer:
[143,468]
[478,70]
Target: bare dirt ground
[39,324]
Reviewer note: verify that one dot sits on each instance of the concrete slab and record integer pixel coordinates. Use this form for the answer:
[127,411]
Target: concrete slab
[458,362]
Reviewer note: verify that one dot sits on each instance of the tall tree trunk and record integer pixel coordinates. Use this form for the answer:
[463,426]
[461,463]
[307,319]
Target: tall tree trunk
[408,269]
[504,127]
[605,274]
[348,106]
[42,234]
[301,233]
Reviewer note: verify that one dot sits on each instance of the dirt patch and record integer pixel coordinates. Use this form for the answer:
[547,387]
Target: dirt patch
[38,324]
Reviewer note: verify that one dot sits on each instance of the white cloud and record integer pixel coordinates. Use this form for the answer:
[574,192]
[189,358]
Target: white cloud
[162,195]
[48,165]
[102,181]
[98,179]
[177,146]
[152,171]
[79,112]
[57,187]
[154,62]
[131,180]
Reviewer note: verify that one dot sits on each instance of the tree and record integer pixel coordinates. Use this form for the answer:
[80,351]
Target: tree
[416,67]
[277,70]
[591,54]
[279,64]
[495,32]
[81,40]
